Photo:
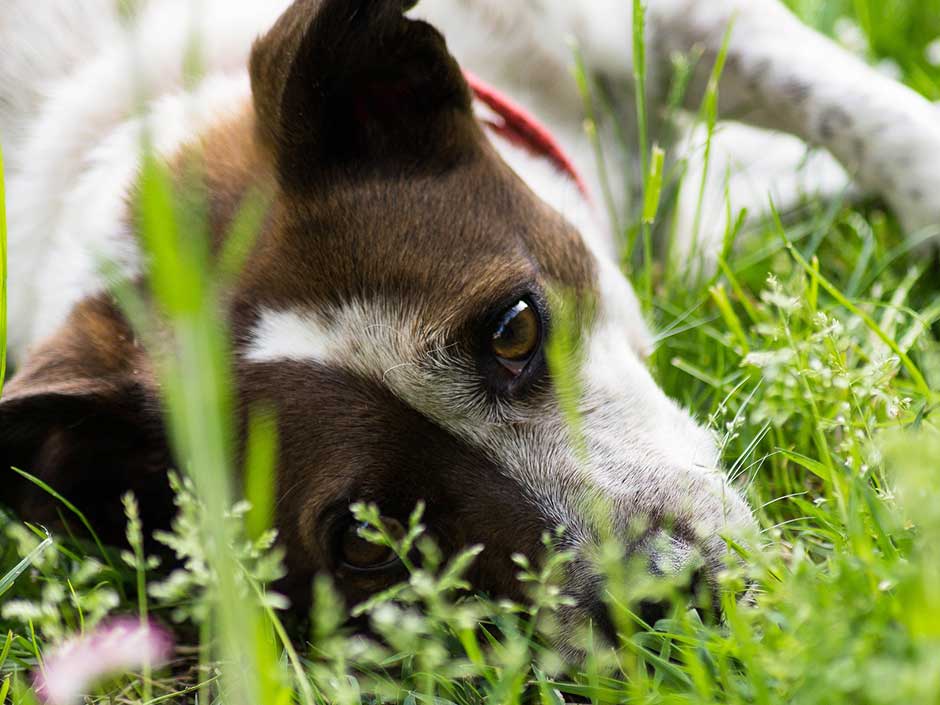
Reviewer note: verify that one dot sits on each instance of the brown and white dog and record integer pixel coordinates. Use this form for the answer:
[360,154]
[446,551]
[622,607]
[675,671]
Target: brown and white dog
[395,308]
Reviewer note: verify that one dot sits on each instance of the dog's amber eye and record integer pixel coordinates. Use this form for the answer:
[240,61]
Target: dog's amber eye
[362,555]
[517,337]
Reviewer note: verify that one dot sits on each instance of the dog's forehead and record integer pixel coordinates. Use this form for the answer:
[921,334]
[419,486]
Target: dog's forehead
[387,275]
[447,247]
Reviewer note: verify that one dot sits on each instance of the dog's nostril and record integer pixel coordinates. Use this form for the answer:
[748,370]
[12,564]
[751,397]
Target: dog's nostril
[648,611]
[600,617]
[699,584]
[698,593]
[705,596]
[652,611]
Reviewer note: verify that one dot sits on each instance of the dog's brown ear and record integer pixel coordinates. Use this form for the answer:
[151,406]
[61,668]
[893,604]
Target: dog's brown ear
[354,82]
[83,420]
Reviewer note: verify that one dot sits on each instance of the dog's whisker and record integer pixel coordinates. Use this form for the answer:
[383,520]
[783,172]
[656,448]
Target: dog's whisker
[388,371]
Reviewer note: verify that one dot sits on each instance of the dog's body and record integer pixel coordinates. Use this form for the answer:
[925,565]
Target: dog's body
[398,249]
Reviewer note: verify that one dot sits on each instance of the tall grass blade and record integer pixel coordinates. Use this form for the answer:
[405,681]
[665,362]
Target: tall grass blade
[639,80]
[709,114]
[260,468]
[583,82]
[198,385]
[564,355]
[642,122]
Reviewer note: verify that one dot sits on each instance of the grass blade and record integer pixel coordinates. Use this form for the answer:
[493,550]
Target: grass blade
[6,582]
[72,508]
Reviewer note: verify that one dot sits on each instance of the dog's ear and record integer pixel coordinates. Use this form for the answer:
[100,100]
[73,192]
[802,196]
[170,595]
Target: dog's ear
[355,82]
[83,419]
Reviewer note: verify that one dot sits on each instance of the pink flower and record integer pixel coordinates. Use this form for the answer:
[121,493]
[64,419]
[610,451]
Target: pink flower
[118,646]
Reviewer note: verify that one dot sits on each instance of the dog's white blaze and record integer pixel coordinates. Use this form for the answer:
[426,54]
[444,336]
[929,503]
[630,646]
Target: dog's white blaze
[374,339]
[294,336]
[382,342]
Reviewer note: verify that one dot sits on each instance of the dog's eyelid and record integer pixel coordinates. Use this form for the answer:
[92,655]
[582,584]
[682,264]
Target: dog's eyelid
[530,291]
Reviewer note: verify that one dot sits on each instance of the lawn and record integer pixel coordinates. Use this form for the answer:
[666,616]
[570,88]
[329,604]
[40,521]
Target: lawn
[813,352]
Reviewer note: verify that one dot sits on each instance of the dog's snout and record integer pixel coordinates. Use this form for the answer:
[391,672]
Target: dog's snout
[647,612]
[655,578]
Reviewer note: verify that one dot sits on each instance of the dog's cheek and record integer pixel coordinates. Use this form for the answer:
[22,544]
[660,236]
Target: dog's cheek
[346,438]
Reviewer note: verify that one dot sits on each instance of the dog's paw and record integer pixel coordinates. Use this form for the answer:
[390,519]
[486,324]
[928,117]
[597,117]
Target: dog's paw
[917,201]
[904,169]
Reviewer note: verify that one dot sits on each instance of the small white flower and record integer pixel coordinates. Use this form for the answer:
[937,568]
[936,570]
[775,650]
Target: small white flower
[932,52]
[851,36]
[890,68]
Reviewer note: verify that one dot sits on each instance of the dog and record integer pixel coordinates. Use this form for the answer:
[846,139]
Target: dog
[395,308]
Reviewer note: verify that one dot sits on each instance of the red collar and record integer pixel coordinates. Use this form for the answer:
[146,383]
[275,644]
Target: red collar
[521,128]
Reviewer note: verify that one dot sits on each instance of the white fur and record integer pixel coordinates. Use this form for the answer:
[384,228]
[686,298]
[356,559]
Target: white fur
[75,158]
[782,75]
[749,169]
[295,336]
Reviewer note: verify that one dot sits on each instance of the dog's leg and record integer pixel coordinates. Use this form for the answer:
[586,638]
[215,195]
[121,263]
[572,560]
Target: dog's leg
[782,75]
[779,74]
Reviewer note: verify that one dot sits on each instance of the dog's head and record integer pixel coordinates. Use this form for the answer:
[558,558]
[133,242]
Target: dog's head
[395,313]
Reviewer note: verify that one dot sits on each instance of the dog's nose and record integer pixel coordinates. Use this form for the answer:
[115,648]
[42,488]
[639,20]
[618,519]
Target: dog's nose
[664,573]
[696,594]
[632,568]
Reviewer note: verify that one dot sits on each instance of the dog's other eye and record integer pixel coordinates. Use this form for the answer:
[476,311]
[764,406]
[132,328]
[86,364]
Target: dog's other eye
[517,337]
[359,554]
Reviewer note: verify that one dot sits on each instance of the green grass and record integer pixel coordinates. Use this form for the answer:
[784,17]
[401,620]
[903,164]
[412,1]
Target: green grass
[897,30]
[814,353]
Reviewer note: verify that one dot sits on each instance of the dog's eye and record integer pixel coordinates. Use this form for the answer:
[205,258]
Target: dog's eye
[517,337]
[361,555]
